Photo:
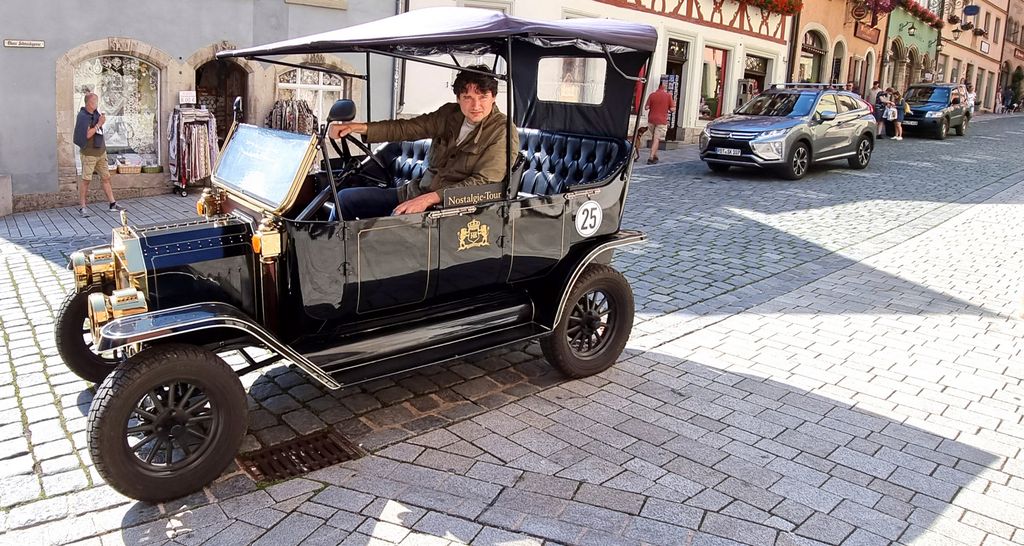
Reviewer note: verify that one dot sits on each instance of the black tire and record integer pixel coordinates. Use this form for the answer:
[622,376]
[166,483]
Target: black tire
[718,167]
[961,129]
[943,130]
[862,156]
[74,340]
[600,287]
[798,162]
[183,392]
[183,193]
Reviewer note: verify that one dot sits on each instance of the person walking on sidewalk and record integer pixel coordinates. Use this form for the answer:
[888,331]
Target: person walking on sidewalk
[89,139]
[659,104]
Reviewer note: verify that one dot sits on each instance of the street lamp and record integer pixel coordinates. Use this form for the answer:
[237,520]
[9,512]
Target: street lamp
[911,30]
[956,33]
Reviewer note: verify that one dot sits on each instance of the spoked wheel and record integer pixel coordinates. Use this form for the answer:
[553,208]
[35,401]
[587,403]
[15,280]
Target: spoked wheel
[166,422]
[594,325]
[75,343]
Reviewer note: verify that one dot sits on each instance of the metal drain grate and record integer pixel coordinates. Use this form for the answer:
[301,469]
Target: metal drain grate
[298,456]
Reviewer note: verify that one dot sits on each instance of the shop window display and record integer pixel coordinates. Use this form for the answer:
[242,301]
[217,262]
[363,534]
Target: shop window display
[712,87]
[129,95]
[318,89]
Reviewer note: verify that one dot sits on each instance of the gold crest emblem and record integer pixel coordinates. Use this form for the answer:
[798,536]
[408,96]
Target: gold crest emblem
[474,235]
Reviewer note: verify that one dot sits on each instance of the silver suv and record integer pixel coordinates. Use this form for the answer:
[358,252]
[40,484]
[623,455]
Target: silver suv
[788,128]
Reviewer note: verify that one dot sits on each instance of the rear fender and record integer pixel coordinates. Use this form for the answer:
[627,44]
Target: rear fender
[550,293]
[180,321]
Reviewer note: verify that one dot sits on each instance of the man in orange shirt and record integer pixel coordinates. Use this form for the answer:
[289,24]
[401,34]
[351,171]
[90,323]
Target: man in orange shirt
[659,104]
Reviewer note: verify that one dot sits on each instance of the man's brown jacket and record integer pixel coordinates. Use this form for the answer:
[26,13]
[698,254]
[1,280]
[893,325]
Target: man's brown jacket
[480,159]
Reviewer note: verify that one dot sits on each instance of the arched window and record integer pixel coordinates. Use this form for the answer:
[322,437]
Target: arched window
[318,89]
[129,95]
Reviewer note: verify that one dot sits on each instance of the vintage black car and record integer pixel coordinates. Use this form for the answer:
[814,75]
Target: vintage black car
[269,264]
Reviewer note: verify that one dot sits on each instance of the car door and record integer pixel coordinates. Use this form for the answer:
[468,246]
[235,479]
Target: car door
[470,247]
[955,108]
[393,259]
[825,133]
[848,127]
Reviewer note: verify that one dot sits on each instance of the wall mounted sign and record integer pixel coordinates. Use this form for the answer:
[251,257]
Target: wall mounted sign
[23,43]
[972,10]
[866,32]
[1018,54]
[984,47]
[860,11]
[186,97]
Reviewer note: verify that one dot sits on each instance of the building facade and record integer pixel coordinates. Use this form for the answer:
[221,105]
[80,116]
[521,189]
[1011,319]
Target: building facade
[973,46]
[836,42]
[138,56]
[911,44]
[1011,70]
[712,55]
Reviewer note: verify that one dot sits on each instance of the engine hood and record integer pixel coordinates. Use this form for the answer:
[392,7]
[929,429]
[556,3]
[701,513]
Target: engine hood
[753,123]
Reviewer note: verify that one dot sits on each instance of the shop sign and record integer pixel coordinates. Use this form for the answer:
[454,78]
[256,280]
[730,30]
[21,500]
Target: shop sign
[859,11]
[866,32]
[186,97]
[984,47]
[23,43]
[1018,54]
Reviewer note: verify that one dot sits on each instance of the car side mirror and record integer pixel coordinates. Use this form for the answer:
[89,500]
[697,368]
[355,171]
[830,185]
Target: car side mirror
[827,115]
[342,110]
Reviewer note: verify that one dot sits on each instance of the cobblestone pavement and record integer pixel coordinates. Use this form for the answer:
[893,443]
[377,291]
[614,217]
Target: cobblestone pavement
[829,361]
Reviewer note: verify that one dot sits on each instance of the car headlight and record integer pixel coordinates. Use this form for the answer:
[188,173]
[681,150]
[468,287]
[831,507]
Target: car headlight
[772,151]
[774,133]
[704,139]
[933,114]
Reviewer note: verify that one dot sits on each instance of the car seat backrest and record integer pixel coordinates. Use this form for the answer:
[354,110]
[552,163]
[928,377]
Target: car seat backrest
[552,161]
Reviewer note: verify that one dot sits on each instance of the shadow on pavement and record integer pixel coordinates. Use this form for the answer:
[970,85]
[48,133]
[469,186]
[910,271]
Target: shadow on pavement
[658,450]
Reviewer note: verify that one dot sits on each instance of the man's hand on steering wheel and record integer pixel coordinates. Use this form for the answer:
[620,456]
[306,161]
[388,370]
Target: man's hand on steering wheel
[339,130]
[418,204]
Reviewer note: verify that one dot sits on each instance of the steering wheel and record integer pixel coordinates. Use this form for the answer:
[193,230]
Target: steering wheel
[347,159]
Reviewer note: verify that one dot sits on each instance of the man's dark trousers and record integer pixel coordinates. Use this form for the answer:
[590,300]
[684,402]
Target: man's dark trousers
[367,202]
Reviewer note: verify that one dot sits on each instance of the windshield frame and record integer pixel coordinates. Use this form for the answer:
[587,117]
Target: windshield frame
[257,201]
[812,97]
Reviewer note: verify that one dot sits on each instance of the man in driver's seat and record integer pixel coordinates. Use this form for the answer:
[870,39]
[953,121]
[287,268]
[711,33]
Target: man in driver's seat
[468,148]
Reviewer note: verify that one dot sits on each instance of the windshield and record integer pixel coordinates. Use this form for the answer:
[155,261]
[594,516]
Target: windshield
[264,163]
[928,94]
[792,105]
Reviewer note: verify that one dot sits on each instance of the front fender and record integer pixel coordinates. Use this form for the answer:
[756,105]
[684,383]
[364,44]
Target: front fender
[178,321]
[550,292]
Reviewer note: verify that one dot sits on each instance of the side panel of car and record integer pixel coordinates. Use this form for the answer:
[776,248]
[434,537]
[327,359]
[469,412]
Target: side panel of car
[200,261]
[403,274]
[826,137]
[470,249]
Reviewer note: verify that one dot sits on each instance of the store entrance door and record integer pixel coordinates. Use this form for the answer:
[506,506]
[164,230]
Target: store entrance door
[218,82]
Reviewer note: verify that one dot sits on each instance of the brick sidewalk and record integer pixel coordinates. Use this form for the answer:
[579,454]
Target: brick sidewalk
[829,361]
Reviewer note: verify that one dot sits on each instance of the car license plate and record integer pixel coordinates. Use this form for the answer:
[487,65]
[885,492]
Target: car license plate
[727,151]
[908,122]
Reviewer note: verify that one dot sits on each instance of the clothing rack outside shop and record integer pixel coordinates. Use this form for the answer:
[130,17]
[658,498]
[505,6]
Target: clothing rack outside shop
[192,147]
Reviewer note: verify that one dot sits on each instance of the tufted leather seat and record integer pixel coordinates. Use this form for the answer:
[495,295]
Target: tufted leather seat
[405,160]
[554,161]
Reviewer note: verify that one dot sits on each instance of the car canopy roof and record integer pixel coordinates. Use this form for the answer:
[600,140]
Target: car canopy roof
[425,32]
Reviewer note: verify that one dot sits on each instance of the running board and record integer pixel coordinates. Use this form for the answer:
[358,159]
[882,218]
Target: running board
[452,350]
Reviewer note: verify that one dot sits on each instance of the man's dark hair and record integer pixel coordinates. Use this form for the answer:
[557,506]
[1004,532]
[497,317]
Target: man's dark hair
[483,82]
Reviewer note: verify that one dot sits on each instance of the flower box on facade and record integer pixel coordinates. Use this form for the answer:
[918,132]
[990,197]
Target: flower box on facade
[782,7]
[980,32]
[967,25]
[953,19]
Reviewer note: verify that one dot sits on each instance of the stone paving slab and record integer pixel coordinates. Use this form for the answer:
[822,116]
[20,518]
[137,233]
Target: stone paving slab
[829,361]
